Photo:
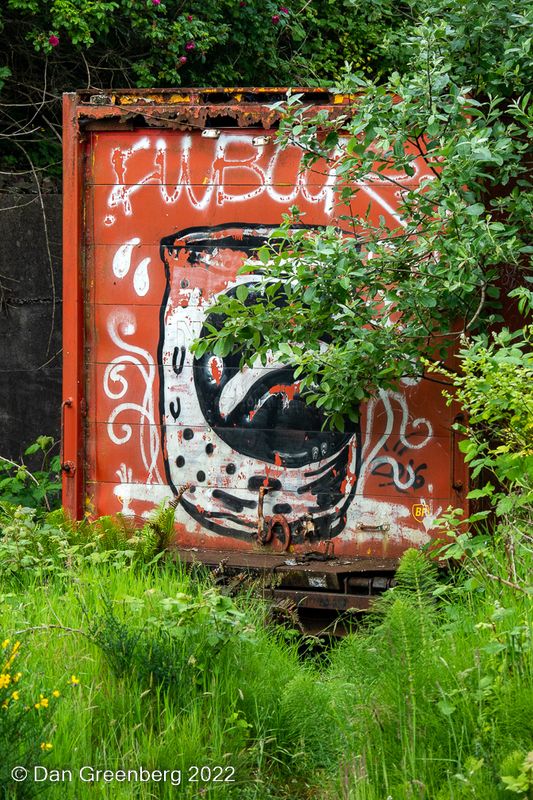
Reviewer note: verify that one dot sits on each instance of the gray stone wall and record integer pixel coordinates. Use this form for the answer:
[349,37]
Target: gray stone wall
[30,319]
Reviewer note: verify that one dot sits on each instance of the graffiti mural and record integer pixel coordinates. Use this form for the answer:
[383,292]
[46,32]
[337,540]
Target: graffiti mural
[171,218]
[260,433]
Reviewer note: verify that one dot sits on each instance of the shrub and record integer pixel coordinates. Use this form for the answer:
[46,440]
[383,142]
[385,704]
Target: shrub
[39,489]
[495,389]
[37,546]
[172,641]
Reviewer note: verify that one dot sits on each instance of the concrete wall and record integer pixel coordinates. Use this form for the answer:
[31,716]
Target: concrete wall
[30,320]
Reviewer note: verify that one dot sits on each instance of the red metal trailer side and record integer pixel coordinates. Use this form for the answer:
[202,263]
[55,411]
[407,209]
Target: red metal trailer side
[165,196]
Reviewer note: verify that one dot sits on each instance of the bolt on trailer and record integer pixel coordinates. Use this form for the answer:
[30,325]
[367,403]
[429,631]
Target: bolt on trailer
[166,195]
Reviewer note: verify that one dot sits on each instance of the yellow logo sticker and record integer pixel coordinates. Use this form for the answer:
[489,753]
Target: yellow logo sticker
[420,510]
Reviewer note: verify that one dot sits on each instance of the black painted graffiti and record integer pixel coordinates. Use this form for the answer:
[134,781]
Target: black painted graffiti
[270,420]
[242,423]
[175,408]
[402,476]
[178,368]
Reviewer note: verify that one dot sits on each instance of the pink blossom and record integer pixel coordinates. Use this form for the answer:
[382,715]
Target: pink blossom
[156,2]
[190,46]
[189,17]
[275,19]
[53,40]
[284,10]
[242,4]
[183,59]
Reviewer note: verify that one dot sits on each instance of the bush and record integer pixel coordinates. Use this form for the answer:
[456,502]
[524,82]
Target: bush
[171,641]
[495,389]
[39,489]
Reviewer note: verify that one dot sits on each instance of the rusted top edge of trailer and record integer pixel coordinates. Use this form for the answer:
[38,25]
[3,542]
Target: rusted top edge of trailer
[211,96]
[198,108]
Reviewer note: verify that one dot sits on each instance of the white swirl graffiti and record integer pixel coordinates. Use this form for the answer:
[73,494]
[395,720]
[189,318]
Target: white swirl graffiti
[115,385]
[141,280]
[125,476]
[396,472]
[371,459]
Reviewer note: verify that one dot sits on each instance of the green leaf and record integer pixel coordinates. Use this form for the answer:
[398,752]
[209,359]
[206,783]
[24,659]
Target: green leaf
[446,708]
[285,349]
[475,494]
[309,294]
[222,347]
[264,255]
[242,292]
[475,210]
[492,648]
[338,422]
[199,348]
[428,300]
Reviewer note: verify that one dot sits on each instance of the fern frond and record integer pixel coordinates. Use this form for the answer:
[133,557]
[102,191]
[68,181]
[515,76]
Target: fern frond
[416,576]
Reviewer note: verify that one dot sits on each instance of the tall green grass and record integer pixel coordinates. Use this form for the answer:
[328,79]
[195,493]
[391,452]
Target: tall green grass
[431,697]
[163,705]
[441,693]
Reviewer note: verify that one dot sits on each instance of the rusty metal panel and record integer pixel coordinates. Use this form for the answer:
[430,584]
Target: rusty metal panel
[74,403]
[171,209]
[323,601]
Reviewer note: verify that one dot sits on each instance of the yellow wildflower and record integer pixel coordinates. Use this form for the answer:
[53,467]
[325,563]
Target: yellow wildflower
[43,701]
[55,693]
[15,696]
[74,681]
[5,679]
[17,677]
[5,644]
[46,746]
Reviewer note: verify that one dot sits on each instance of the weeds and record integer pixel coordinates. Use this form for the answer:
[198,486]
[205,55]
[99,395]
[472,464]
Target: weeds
[431,698]
[33,544]
[437,687]
[495,387]
[39,489]
[174,641]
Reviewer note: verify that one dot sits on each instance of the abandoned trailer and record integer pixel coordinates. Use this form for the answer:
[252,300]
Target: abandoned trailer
[166,196]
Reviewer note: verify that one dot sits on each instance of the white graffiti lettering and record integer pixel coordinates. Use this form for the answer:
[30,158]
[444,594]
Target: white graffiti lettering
[235,175]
